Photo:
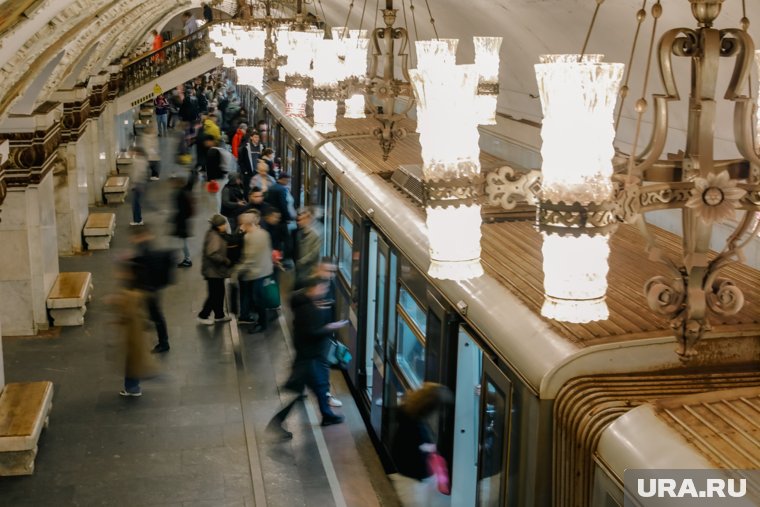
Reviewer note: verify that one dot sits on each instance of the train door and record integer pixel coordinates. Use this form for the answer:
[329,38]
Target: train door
[329,218]
[380,295]
[493,441]
[466,421]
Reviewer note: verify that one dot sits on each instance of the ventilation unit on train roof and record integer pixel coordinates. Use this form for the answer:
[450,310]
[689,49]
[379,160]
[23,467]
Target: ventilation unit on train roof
[409,179]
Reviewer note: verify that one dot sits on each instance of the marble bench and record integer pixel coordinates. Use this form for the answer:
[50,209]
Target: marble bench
[98,230]
[115,189]
[24,411]
[123,162]
[68,297]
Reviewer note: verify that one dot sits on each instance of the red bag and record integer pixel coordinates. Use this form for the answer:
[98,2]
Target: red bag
[437,466]
[212,187]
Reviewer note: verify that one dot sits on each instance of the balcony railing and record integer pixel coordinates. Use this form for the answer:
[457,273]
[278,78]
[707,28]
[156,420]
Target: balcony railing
[175,53]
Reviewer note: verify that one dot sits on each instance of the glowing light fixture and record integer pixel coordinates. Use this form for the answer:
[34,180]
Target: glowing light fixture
[356,68]
[328,70]
[757,112]
[432,53]
[576,182]
[487,62]
[451,165]
[297,78]
[250,57]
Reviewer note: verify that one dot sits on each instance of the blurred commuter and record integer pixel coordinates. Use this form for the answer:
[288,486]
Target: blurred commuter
[215,268]
[311,341]
[248,157]
[237,139]
[161,107]
[262,179]
[308,246]
[149,140]
[267,155]
[156,44]
[208,14]
[325,271]
[184,209]
[138,176]
[234,199]
[152,273]
[413,443]
[254,268]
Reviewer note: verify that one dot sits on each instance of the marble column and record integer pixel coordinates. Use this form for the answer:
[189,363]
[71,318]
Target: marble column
[28,237]
[70,181]
[94,139]
[4,151]
[110,119]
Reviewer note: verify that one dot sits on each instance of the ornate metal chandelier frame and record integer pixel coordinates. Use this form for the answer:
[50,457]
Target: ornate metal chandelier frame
[644,182]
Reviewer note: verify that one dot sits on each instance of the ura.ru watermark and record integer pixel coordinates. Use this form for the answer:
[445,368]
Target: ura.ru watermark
[675,488]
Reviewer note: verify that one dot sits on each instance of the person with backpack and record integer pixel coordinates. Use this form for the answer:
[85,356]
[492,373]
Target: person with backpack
[215,268]
[153,272]
[255,268]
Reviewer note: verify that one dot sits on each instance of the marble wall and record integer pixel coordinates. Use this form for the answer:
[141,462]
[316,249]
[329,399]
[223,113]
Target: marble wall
[71,197]
[29,249]
[95,165]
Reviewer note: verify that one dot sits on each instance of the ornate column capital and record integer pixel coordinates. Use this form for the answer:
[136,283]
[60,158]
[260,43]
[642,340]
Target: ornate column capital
[99,87]
[76,112]
[33,142]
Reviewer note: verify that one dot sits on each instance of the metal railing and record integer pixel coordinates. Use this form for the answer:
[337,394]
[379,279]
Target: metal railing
[175,53]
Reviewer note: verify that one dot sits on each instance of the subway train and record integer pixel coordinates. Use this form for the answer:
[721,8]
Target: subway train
[545,413]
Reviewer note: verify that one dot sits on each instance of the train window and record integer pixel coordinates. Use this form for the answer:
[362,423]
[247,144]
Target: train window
[329,219]
[413,309]
[410,354]
[410,333]
[313,182]
[345,246]
[491,451]
[346,224]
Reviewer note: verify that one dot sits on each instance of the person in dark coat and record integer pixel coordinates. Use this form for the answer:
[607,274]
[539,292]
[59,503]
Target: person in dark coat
[208,13]
[215,268]
[248,157]
[234,200]
[184,209]
[189,111]
[144,280]
[311,338]
[413,441]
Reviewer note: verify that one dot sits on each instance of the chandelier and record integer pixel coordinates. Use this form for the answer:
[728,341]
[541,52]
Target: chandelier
[585,189]
[257,47]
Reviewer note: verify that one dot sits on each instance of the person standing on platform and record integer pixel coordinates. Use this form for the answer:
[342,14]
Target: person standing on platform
[248,157]
[268,156]
[215,268]
[234,201]
[308,247]
[138,176]
[149,140]
[262,179]
[184,209]
[237,139]
[281,198]
[254,268]
[161,107]
[311,341]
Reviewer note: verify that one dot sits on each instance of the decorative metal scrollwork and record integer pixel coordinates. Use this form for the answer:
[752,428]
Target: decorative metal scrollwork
[456,192]
[505,187]
[576,219]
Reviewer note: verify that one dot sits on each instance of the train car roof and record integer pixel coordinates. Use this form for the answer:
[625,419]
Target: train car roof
[504,305]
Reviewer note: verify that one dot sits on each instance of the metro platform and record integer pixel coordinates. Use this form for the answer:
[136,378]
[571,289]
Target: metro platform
[197,435]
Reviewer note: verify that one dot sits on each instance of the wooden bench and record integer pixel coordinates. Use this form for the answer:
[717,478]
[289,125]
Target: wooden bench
[68,297]
[98,230]
[115,189]
[24,411]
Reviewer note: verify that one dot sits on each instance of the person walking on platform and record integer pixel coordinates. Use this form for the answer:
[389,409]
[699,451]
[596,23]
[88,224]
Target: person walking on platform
[215,268]
[311,341]
[248,157]
[150,272]
[131,319]
[149,139]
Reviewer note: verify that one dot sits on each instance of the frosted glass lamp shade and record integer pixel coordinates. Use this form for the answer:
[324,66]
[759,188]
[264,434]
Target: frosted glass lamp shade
[577,168]
[575,277]
[295,102]
[487,62]
[450,153]
[355,105]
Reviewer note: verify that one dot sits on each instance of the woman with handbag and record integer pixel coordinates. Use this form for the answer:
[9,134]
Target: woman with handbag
[413,447]
[215,268]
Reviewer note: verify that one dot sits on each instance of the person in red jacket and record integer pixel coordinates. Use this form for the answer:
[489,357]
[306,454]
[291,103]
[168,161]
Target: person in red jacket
[238,138]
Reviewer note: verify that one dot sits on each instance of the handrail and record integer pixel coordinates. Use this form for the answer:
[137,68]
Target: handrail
[173,41]
[177,52]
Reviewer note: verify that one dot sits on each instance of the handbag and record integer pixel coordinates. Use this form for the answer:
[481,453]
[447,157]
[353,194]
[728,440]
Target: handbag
[437,466]
[338,355]
[270,293]
[212,187]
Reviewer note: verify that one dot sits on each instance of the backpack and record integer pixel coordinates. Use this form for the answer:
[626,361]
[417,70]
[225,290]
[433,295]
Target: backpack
[155,269]
[234,246]
[161,264]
